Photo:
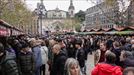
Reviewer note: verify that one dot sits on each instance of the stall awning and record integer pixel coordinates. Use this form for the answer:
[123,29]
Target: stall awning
[4,32]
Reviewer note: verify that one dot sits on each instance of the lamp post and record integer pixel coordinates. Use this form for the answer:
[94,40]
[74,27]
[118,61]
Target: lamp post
[41,11]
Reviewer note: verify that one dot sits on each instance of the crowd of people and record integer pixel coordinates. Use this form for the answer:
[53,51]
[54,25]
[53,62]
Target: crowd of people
[67,55]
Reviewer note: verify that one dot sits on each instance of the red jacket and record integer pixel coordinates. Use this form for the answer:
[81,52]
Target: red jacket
[106,69]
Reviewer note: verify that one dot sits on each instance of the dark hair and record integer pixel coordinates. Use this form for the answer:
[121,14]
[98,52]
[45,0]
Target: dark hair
[24,45]
[110,57]
[127,54]
[58,39]
[128,69]
[116,43]
[78,41]
[1,48]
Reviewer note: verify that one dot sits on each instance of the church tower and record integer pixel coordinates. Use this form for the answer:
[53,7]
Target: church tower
[71,9]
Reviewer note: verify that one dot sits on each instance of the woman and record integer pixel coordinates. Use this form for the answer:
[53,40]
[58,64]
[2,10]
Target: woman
[72,67]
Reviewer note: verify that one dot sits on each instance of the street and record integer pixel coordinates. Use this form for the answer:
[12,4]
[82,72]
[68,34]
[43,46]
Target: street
[90,64]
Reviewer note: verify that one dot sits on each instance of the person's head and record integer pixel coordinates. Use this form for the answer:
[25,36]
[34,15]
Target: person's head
[78,43]
[116,44]
[43,43]
[52,42]
[1,49]
[103,46]
[110,57]
[25,47]
[132,42]
[128,71]
[128,40]
[32,42]
[72,67]
[125,54]
[56,49]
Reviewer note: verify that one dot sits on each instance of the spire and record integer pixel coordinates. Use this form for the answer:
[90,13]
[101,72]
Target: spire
[41,1]
[71,9]
[71,5]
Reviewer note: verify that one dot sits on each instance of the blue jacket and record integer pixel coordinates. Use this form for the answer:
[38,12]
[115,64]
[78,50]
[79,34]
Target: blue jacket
[37,56]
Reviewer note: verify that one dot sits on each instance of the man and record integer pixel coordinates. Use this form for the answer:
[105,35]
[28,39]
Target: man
[116,49]
[62,44]
[58,61]
[8,65]
[26,60]
[99,55]
[80,54]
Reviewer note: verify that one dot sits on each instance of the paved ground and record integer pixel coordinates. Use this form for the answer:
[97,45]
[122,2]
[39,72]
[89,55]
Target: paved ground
[89,64]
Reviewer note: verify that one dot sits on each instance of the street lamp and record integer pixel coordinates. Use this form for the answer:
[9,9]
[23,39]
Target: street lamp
[41,11]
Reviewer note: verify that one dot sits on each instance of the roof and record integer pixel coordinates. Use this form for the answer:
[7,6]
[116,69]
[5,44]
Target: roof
[71,7]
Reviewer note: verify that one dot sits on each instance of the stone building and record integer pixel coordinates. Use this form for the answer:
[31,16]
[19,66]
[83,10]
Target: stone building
[54,20]
[101,16]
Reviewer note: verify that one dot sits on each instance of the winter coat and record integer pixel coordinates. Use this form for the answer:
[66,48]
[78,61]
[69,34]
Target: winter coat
[8,66]
[26,62]
[44,54]
[117,52]
[37,56]
[80,56]
[128,62]
[58,64]
[106,69]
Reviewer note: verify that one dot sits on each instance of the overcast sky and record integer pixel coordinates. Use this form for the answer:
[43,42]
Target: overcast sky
[61,4]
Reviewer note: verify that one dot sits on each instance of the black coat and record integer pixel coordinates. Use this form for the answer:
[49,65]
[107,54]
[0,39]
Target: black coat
[117,52]
[129,62]
[8,65]
[26,63]
[80,56]
[58,64]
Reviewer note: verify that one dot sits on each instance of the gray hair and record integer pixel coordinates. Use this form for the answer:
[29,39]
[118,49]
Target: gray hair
[128,69]
[69,63]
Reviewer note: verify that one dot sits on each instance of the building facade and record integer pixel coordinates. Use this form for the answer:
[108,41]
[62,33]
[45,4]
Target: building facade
[53,20]
[56,14]
[101,16]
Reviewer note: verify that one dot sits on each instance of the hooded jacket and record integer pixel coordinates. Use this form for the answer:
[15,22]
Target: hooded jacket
[106,69]
[8,65]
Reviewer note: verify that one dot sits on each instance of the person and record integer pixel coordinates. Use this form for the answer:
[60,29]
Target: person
[58,61]
[127,59]
[128,71]
[80,55]
[72,67]
[108,67]
[35,45]
[26,60]
[116,49]
[44,56]
[62,44]
[99,55]
[8,66]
